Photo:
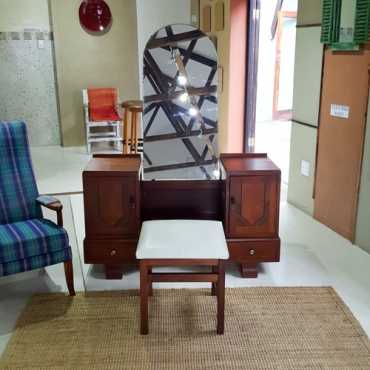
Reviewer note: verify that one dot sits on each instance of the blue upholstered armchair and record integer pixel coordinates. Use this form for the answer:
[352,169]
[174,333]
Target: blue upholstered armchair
[27,240]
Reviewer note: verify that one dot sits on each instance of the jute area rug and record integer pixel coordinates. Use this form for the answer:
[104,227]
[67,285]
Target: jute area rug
[266,328]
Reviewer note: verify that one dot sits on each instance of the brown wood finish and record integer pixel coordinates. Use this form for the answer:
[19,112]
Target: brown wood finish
[68,266]
[246,201]
[340,147]
[249,270]
[147,277]
[254,250]
[252,211]
[172,199]
[68,271]
[252,190]
[112,211]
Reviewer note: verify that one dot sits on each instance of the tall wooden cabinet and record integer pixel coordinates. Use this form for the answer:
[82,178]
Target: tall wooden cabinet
[246,200]
[112,212]
[252,210]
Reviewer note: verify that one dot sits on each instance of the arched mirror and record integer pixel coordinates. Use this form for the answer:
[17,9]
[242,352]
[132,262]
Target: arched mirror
[180,119]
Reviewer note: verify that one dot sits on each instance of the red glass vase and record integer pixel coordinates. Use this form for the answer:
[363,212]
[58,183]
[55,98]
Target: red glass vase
[95,16]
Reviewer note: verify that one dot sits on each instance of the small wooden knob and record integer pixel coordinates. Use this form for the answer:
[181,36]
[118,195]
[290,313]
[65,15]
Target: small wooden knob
[252,252]
[113,252]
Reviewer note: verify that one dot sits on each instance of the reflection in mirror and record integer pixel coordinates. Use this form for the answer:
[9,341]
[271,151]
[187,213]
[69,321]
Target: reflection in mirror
[180,120]
[347,20]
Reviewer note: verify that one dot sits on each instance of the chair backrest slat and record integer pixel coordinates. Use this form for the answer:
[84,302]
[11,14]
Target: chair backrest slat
[18,189]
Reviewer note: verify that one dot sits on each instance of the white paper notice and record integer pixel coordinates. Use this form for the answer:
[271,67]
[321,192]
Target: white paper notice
[341,111]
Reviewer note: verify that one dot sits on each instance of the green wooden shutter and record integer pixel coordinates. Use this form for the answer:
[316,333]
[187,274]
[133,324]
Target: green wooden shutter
[361,33]
[330,18]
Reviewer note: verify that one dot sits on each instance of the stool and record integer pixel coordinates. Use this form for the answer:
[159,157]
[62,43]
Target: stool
[132,111]
[182,243]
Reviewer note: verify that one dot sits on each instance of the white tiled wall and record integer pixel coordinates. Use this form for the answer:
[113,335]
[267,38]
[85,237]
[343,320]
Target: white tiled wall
[27,84]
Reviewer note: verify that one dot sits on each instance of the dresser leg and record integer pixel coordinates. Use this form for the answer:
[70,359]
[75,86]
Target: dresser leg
[248,270]
[113,272]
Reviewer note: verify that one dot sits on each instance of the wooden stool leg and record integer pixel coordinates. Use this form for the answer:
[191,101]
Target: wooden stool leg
[132,128]
[150,284]
[221,297]
[214,285]
[125,132]
[136,116]
[68,270]
[144,329]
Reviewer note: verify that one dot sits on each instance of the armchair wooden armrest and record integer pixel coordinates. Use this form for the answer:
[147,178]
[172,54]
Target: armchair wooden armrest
[54,204]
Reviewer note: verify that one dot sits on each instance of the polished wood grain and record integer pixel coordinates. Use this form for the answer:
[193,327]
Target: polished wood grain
[248,163]
[171,199]
[68,270]
[251,217]
[147,277]
[112,211]
[341,140]
[246,201]
[253,211]
[68,266]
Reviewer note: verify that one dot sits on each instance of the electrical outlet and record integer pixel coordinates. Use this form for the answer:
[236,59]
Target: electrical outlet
[305,168]
[40,44]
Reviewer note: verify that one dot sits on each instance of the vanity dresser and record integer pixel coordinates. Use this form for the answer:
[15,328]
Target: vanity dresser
[117,199]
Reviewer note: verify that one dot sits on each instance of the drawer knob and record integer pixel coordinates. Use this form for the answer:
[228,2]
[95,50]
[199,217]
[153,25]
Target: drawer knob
[252,252]
[113,252]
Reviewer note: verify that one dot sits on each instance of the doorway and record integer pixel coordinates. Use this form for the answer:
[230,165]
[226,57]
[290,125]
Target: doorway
[274,101]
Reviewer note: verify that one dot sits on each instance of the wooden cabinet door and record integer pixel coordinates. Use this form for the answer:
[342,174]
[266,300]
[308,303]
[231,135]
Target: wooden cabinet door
[340,142]
[111,207]
[254,206]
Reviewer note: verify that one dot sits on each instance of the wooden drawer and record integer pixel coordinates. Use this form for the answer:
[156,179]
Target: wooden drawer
[254,250]
[110,251]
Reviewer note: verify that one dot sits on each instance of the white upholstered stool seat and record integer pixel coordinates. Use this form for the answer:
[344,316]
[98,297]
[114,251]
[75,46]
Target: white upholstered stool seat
[182,239]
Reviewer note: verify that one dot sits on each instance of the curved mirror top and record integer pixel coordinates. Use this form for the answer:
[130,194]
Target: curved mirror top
[180,119]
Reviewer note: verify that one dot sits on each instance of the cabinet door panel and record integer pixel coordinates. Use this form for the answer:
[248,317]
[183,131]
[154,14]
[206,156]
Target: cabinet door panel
[253,206]
[110,206]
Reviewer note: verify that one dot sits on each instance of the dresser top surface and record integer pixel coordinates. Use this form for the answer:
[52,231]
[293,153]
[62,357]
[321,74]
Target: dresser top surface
[244,163]
[119,164]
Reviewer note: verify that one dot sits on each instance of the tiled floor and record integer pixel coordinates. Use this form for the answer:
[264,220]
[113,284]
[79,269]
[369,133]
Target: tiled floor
[58,170]
[311,255]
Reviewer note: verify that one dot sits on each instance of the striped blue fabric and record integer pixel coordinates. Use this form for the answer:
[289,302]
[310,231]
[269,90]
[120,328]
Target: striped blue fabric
[25,239]
[35,262]
[18,190]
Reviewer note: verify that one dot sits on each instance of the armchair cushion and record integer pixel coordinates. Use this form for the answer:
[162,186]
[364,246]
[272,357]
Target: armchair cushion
[35,262]
[22,240]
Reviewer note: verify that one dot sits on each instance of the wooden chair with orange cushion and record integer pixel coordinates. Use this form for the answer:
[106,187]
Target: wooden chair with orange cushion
[101,110]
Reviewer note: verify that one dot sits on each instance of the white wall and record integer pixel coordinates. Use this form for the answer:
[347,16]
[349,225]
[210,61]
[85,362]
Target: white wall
[27,80]
[155,14]
[16,15]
